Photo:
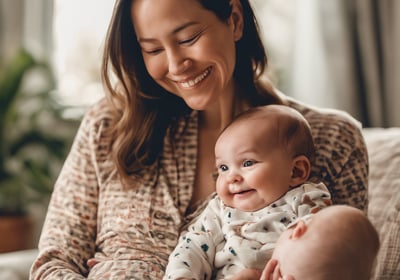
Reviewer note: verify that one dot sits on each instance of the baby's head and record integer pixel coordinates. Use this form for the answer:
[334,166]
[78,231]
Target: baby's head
[263,153]
[279,126]
[339,242]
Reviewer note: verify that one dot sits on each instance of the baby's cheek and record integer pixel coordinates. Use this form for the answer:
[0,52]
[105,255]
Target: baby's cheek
[222,188]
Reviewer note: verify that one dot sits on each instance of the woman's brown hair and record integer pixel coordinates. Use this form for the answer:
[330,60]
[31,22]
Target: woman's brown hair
[144,110]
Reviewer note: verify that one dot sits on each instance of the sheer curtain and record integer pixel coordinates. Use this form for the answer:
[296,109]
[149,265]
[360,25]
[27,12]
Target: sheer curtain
[79,31]
[367,53]
[341,54]
[377,43]
[28,24]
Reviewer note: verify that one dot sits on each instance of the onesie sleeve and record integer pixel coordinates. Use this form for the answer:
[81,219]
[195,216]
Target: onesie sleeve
[314,197]
[307,200]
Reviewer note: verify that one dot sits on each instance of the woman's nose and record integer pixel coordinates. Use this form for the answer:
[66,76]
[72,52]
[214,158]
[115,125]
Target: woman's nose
[178,62]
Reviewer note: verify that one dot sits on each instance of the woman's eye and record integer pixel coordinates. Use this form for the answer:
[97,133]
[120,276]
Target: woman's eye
[248,163]
[190,40]
[152,52]
[223,167]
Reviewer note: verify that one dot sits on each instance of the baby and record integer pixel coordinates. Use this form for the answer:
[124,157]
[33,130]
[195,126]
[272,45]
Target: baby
[263,159]
[338,242]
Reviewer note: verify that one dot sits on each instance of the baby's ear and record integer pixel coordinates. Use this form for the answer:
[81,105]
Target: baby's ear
[301,169]
[299,230]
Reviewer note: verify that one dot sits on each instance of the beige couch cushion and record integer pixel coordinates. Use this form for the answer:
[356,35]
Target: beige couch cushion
[384,195]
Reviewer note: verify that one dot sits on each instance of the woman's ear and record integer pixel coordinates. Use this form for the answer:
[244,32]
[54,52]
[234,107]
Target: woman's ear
[236,19]
[301,169]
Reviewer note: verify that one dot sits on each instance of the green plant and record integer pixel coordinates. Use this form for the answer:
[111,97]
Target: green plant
[34,136]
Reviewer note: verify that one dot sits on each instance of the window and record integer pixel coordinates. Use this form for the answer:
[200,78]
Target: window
[79,31]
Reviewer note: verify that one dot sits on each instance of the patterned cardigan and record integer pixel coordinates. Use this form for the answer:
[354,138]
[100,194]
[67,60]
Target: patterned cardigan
[96,229]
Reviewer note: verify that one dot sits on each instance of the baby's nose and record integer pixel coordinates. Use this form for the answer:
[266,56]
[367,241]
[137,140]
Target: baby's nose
[234,177]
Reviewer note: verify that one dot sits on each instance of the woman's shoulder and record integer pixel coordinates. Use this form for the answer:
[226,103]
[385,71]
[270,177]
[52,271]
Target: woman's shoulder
[101,110]
[97,123]
[99,115]
[341,160]
[328,123]
[319,117]
[324,115]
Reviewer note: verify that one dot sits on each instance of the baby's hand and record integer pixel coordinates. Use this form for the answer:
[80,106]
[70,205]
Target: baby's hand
[272,272]
[247,274]
[92,262]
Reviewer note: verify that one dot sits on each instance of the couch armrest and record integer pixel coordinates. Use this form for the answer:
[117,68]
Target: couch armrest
[16,265]
[384,197]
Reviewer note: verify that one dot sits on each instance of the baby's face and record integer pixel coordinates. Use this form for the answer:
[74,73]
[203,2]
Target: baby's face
[324,246]
[298,249]
[253,170]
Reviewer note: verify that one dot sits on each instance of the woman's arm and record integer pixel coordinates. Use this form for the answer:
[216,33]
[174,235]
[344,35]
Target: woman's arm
[347,179]
[341,160]
[341,157]
[69,232]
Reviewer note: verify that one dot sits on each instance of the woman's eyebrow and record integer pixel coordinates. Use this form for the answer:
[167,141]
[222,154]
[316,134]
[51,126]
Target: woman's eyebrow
[176,30]
[179,28]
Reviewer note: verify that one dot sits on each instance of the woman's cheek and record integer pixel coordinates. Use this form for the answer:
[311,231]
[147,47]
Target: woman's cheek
[155,67]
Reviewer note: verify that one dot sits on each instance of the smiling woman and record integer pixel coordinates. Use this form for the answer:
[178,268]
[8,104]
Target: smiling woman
[143,158]
[174,52]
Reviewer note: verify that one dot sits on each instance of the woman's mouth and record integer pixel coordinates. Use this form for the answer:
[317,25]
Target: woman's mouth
[193,82]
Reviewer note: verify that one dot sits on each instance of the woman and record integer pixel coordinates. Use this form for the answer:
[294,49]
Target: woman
[142,162]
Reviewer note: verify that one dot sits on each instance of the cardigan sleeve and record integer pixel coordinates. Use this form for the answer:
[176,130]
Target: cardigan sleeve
[341,160]
[69,231]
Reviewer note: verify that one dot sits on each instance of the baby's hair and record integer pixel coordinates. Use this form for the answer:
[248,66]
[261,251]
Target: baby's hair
[349,244]
[356,237]
[293,130]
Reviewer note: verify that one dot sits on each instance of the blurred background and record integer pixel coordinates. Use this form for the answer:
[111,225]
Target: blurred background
[333,53]
[337,53]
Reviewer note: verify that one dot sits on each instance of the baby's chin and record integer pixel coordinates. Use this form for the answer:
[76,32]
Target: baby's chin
[249,208]
[252,206]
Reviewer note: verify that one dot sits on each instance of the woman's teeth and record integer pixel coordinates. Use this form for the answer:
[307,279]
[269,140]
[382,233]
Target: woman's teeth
[196,80]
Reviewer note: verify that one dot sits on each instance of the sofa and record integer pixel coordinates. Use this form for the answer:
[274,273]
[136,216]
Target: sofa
[383,210]
[384,198]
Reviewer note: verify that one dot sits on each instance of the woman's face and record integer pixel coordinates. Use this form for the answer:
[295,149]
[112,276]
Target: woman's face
[187,50]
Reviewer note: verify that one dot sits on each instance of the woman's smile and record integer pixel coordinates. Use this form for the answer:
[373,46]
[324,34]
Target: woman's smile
[191,83]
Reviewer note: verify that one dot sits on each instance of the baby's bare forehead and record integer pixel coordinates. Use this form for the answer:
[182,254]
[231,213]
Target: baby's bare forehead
[251,127]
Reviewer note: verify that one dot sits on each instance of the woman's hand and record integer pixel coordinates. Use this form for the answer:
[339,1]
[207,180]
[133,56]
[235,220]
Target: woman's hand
[247,274]
[272,272]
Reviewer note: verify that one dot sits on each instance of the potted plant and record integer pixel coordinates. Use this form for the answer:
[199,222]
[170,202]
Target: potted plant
[34,138]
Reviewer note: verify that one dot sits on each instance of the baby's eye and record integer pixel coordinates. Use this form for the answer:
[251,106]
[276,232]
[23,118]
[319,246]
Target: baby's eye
[223,168]
[248,163]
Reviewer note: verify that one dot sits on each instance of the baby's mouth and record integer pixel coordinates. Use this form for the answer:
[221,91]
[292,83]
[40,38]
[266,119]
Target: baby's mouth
[243,192]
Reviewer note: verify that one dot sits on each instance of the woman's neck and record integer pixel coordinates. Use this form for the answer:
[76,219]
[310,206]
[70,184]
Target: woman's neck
[221,114]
